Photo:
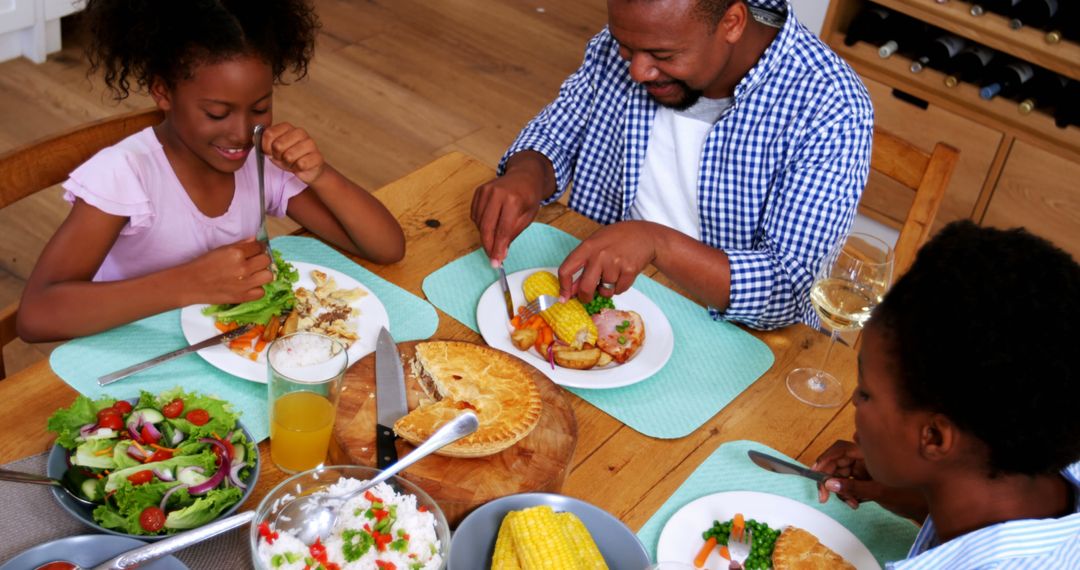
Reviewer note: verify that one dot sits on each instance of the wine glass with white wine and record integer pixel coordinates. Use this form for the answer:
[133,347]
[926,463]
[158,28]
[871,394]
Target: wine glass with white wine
[851,281]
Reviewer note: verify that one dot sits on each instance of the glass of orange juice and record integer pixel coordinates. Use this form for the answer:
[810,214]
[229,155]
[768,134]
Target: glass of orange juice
[305,374]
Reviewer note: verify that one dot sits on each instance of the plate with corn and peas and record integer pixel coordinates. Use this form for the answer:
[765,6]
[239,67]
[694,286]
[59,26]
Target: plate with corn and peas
[617,346]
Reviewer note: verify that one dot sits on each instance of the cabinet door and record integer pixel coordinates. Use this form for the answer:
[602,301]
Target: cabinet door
[16,15]
[887,200]
[1039,191]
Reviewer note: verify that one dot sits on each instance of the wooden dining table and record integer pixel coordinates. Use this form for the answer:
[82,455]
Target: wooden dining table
[613,466]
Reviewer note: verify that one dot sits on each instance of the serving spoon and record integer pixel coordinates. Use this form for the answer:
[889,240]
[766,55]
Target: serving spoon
[34,478]
[153,551]
[313,516]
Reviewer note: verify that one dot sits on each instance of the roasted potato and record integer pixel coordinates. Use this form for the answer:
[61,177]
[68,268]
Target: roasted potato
[290,324]
[523,339]
[605,359]
[580,359]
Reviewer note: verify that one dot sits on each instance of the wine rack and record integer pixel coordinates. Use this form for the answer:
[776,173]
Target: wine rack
[987,176]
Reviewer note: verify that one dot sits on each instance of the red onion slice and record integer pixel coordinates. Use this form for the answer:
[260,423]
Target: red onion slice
[152,431]
[177,437]
[135,452]
[234,476]
[165,475]
[212,482]
[87,430]
[168,494]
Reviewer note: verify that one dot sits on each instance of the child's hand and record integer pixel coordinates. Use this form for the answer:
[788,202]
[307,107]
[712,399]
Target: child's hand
[851,482]
[292,149]
[233,273]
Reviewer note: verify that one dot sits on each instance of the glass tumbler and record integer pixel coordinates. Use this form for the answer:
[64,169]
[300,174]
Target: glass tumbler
[305,375]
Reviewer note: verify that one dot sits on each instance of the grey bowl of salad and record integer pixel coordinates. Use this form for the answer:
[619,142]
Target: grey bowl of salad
[154,465]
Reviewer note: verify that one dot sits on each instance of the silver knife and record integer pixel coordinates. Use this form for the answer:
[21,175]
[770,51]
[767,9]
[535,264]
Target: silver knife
[390,401]
[120,374]
[506,293]
[259,159]
[777,465]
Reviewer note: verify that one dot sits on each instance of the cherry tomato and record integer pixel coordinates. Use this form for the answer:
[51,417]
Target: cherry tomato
[173,409]
[107,412]
[122,406]
[111,421]
[140,477]
[152,519]
[161,455]
[217,451]
[198,417]
[147,437]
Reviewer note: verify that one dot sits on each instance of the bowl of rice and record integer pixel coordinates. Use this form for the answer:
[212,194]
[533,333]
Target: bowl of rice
[393,525]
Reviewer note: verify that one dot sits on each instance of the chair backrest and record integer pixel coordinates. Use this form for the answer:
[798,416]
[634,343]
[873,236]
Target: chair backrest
[49,161]
[927,174]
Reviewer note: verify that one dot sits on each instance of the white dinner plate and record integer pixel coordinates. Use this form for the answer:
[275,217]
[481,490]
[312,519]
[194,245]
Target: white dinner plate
[198,327]
[681,538]
[653,355]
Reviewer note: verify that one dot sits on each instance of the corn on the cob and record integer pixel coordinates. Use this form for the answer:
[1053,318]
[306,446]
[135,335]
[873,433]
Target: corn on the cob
[582,543]
[504,557]
[540,539]
[569,320]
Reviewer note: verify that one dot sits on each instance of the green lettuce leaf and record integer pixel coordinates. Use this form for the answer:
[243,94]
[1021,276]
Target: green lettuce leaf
[65,422]
[204,509]
[277,298]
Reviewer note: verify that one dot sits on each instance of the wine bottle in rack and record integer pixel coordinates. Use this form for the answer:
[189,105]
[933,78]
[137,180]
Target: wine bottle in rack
[1003,7]
[1044,91]
[904,36]
[1034,13]
[969,65]
[938,52]
[1006,79]
[1066,114]
[1066,24]
[868,26]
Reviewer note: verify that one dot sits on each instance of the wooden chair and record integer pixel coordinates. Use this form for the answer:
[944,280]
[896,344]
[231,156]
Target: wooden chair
[927,174]
[47,162]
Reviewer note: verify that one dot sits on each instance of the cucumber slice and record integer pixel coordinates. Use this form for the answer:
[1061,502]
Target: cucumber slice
[239,452]
[89,489]
[150,415]
[191,477]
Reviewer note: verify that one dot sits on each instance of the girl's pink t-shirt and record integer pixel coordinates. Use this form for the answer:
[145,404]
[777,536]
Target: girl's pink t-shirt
[134,179]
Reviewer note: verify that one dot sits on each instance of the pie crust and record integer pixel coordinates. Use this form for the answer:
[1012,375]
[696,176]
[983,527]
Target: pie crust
[459,376]
[797,549]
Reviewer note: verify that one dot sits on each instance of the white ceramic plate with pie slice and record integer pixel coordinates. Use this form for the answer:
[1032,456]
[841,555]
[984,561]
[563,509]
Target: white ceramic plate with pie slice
[653,355]
[198,326]
[681,538]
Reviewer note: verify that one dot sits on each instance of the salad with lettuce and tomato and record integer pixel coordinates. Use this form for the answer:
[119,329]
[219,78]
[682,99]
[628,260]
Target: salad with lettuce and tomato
[165,464]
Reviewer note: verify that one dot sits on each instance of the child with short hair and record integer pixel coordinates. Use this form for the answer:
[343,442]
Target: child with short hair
[966,404]
[166,217]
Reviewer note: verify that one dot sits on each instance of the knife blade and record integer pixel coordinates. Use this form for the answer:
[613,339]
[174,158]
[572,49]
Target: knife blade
[390,403]
[261,235]
[506,293]
[214,340]
[777,465]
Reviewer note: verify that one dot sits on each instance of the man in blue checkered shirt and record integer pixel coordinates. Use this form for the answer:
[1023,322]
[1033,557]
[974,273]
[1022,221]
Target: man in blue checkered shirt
[719,140]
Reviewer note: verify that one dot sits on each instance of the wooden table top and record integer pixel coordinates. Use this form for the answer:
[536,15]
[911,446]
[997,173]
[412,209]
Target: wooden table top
[614,467]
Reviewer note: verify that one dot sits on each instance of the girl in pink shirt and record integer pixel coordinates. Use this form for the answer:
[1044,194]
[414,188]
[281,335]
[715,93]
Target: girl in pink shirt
[166,217]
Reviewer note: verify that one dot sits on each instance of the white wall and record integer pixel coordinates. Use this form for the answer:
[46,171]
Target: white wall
[811,13]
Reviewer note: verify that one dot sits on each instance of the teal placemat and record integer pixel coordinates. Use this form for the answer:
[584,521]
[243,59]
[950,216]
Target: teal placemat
[886,535]
[713,361]
[81,361]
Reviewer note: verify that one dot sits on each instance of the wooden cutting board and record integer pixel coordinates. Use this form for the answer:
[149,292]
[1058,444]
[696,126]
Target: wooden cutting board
[537,463]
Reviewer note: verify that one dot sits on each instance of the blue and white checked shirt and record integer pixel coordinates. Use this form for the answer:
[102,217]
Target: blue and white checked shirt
[781,171]
[1041,544]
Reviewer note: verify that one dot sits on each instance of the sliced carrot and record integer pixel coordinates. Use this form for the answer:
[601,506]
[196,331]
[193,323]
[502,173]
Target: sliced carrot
[516,322]
[703,554]
[104,451]
[737,526]
[260,344]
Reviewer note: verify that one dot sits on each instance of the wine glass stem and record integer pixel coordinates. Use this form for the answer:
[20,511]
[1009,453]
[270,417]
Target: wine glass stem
[833,334]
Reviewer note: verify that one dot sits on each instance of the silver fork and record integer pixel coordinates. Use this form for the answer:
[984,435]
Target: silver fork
[739,550]
[537,306]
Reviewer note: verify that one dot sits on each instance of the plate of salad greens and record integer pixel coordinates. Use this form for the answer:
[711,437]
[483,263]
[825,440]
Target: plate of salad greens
[154,465]
[367,316]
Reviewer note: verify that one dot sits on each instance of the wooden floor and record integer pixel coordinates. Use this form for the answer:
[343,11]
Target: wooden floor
[394,84]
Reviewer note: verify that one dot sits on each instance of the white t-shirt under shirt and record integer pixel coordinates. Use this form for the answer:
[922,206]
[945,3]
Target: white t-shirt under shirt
[667,191]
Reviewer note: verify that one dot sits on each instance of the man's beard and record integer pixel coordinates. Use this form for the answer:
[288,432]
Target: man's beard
[687,100]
